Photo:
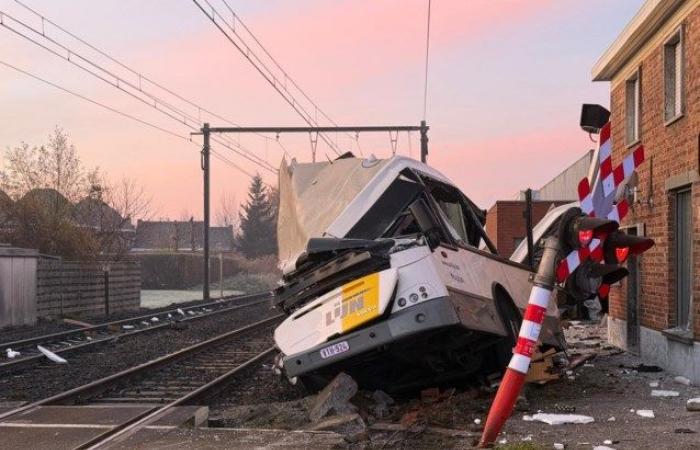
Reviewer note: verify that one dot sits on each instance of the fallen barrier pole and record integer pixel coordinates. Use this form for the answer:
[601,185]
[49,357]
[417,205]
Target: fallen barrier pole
[514,378]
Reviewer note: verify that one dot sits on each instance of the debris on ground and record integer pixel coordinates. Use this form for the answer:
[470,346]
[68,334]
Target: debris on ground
[558,446]
[663,393]
[542,368]
[645,368]
[382,404]
[334,398]
[77,322]
[693,404]
[559,419]
[647,413]
[351,426]
[51,355]
[682,380]
[127,327]
[11,354]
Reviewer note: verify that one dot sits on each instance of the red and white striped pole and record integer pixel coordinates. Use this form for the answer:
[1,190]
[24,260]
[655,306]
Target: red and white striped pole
[514,377]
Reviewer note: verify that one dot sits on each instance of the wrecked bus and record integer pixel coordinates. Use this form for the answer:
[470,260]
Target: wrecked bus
[389,276]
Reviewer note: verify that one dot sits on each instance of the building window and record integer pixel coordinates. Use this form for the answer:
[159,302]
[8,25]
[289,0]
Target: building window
[632,108]
[673,77]
[683,237]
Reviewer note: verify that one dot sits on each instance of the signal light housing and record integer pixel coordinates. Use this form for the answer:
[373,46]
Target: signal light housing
[618,246]
[577,230]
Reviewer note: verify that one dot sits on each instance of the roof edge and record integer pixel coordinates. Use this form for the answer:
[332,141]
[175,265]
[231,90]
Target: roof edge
[644,24]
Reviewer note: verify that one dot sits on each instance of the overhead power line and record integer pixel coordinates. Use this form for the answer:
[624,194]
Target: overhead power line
[282,83]
[136,90]
[119,112]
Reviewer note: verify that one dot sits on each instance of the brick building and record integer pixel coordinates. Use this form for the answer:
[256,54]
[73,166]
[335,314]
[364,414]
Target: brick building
[654,72]
[505,222]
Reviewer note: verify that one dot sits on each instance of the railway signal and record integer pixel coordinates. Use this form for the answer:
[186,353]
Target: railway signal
[585,255]
[577,232]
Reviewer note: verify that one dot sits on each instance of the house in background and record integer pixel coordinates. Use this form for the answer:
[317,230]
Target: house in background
[505,221]
[653,69]
[180,236]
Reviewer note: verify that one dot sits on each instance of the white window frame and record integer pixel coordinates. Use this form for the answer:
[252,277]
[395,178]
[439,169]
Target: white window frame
[633,82]
[674,41]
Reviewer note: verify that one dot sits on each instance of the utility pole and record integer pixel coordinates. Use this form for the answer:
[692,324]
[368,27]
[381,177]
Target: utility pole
[205,168]
[423,142]
[528,229]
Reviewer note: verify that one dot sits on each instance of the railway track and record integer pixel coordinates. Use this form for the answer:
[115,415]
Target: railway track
[189,376]
[65,342]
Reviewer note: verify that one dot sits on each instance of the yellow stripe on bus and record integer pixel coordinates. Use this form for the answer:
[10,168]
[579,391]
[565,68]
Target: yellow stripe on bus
[360,302]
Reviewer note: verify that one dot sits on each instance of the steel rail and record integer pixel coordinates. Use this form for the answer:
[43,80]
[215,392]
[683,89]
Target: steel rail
[128,429]
[97,387]
[16,364]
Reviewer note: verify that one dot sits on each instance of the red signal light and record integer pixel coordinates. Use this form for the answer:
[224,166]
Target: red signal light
[585,237]
[621,253]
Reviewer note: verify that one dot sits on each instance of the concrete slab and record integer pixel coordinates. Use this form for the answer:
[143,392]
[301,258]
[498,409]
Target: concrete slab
[45,437]
[185,416]
[78,415]
[227,438]
[59,427]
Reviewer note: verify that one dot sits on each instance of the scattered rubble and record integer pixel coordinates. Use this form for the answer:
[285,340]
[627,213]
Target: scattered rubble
[647,413]
[334,398]
[51,355]
[559,419]
[665,394]
[693,404]
[682,380]
[351,426]
[383,403]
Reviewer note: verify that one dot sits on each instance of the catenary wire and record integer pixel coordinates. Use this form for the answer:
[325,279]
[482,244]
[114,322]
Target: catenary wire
[262,69]
[121,113]
[122,84]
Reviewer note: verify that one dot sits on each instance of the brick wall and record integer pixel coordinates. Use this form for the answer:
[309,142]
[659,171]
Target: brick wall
[78,289]
[671,150]
[505,222]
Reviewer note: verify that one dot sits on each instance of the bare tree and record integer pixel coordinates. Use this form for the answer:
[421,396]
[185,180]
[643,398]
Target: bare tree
[227,213]
[55,165]
[44,182]
[112,209]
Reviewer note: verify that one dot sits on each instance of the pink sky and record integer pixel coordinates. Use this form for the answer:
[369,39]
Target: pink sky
[506,82]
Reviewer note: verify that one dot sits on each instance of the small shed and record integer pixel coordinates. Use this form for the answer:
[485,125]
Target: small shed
[17,286]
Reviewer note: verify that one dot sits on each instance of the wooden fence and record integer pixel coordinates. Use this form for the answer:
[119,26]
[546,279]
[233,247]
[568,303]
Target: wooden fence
[87,289]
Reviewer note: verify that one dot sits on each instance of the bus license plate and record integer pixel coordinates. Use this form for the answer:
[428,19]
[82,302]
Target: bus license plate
[335,349]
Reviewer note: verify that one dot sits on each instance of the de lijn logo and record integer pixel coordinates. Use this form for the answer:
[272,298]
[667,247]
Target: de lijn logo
[344,308]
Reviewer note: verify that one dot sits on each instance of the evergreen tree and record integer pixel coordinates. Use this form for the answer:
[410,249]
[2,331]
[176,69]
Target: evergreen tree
[258,222]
